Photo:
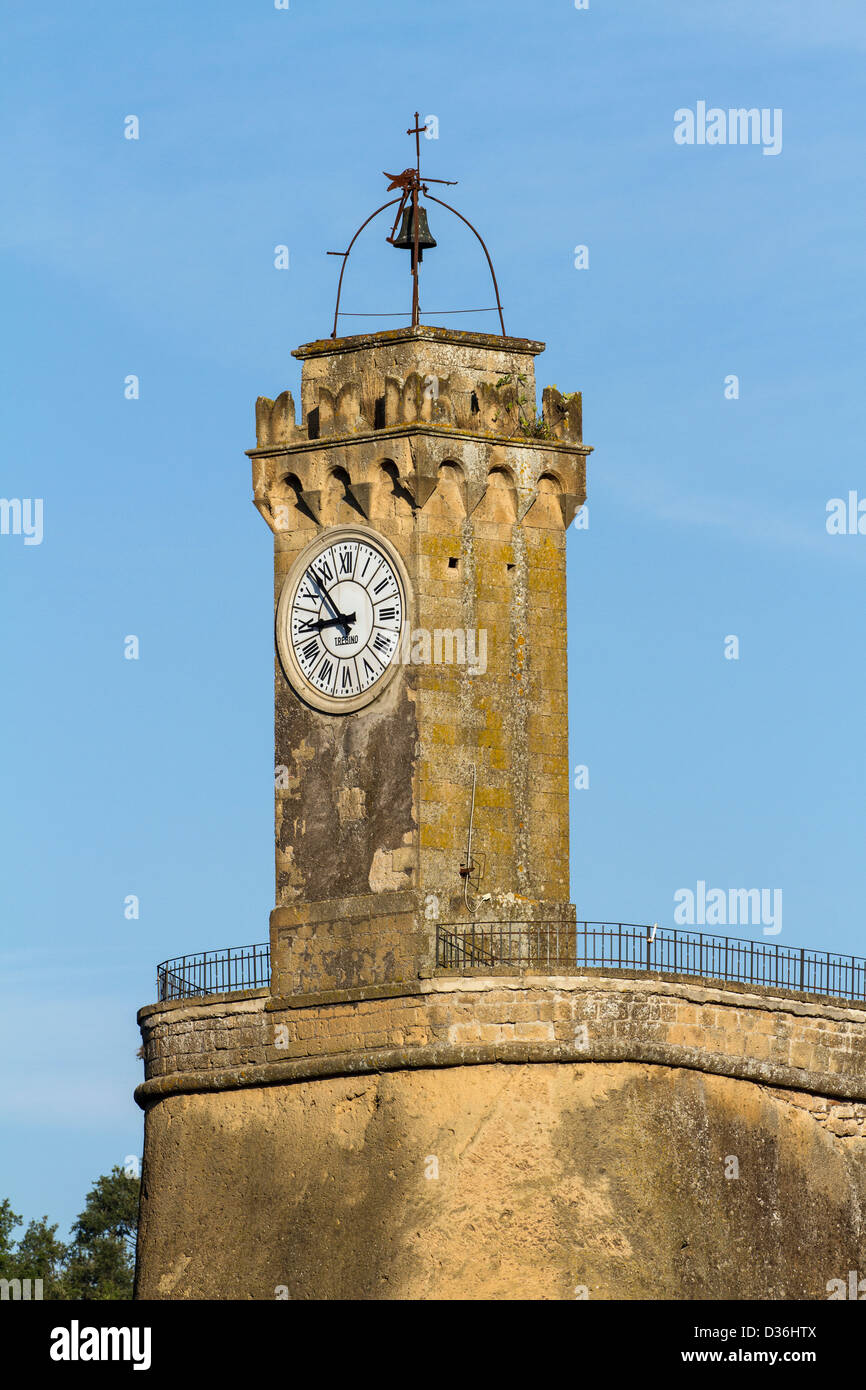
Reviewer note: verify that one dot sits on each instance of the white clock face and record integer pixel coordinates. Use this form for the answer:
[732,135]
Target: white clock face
[339,619]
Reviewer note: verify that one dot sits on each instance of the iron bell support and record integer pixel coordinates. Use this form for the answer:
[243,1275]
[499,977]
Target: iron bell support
[414,234]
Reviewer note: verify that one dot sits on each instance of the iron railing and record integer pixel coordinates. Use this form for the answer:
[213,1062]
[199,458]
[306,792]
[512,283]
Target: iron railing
[214,972]
[562,948]
[566,947]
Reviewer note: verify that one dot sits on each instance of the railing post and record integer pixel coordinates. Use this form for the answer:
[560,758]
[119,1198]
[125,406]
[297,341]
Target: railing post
[802,966]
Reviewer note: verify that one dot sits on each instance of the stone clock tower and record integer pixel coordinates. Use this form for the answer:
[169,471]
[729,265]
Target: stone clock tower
[419,503]
[419,509]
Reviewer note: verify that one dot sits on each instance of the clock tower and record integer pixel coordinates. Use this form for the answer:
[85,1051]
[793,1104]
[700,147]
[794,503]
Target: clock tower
[419,507]
[309,1103]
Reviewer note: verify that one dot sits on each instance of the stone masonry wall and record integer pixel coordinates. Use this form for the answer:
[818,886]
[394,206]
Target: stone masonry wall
[780,1041]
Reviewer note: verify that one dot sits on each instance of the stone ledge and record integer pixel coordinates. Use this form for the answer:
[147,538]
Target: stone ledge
[396,1059]
[191,1008]
[226,1042]
[701,989]
[422,332]
[421,427]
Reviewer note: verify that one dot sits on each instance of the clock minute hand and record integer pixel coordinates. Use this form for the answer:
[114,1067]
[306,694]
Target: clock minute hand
[339,618]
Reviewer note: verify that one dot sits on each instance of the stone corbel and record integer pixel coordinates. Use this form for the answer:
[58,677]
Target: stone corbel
[424,477]
[362,493]
[312,500]
[525,498]
[570,503]
[475,490]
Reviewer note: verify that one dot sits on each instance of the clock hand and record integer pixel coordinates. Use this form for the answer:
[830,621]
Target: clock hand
[323,590]
[340,620]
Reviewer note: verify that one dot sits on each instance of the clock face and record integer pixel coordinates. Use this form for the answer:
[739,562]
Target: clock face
[339,619]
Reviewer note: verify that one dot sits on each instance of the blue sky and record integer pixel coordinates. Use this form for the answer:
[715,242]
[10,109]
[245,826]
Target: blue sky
[707,516]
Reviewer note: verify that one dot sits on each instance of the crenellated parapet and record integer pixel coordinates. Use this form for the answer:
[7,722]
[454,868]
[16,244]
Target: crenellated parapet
[499,408]
[399,413]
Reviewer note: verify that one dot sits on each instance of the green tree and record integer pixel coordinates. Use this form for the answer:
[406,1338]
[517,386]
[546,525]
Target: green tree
[8,1221]
[99,1261]
[101,1257]
[40,1255]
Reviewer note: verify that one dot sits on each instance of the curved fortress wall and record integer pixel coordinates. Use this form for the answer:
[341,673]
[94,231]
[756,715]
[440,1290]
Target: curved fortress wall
[492,1137]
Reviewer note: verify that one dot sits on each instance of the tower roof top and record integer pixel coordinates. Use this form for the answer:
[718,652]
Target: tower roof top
[323,347]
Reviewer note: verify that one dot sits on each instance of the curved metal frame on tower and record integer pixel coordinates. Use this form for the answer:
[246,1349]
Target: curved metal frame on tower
[484,249]
[345,254]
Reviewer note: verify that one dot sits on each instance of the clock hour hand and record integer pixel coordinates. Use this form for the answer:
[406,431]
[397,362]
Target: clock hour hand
[342,620]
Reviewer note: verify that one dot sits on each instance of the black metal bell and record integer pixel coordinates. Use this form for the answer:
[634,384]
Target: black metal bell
[405,238]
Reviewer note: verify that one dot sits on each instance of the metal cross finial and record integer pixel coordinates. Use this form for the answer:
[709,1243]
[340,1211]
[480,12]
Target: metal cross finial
[416,130]
[410,183]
